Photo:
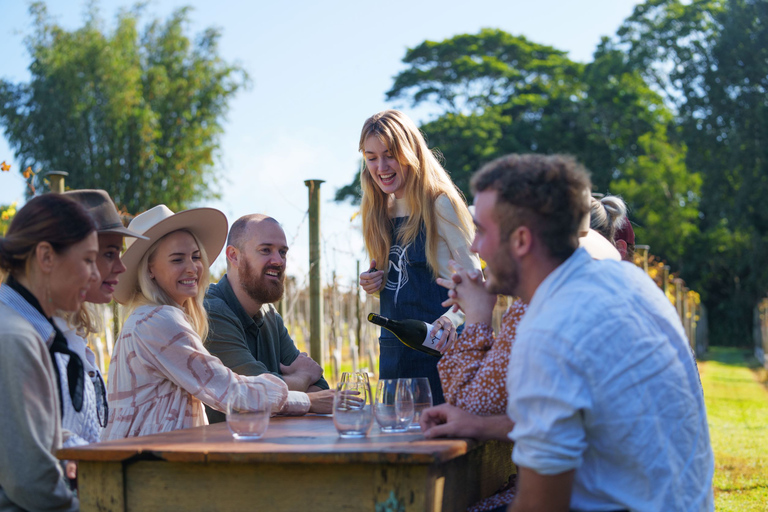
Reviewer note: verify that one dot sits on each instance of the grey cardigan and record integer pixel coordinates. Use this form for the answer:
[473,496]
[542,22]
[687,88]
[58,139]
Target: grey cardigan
[31,477]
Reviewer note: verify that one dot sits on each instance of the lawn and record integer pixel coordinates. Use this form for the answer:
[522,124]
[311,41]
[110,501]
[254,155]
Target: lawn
[737,408]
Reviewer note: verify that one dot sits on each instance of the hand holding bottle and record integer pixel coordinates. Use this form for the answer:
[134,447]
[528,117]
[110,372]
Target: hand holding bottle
[372,279]
[466,291]
[444,328]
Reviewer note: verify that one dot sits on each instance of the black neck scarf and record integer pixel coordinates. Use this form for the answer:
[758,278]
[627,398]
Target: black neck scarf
[75,369]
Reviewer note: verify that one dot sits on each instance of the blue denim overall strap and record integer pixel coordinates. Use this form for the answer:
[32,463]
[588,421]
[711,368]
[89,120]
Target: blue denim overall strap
[410,292]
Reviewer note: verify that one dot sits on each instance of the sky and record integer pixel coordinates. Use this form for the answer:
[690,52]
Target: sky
[318,70]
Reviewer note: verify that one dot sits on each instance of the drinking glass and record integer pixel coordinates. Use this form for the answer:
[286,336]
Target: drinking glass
[352,414]
[394,405]
[422,399]
[354,377]
[248,410]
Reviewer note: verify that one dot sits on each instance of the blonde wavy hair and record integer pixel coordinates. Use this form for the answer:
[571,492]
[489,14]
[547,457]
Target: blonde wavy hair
[426,180]
[150,293]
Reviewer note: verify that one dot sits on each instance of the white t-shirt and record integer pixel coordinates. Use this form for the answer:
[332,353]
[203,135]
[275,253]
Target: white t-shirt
[602,381]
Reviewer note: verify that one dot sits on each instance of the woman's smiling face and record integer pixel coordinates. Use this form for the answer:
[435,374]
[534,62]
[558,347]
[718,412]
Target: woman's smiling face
[385,170]
[177,266]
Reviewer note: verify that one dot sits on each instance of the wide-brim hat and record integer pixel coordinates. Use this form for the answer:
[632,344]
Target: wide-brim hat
[209,225]
[102,210]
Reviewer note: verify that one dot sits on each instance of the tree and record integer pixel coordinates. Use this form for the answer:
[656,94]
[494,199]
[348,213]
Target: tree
[709,58]
[135,112]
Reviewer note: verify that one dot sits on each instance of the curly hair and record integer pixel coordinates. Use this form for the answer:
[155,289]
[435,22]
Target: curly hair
[547,193]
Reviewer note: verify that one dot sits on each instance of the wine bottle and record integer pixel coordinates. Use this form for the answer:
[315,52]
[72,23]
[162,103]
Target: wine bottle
[412,333]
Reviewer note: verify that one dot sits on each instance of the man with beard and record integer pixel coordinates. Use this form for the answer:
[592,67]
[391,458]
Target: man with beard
[246,332]
[604,403]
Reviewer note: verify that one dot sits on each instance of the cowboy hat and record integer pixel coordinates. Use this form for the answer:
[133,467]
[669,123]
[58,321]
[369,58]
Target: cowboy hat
[207,224]
[102,210]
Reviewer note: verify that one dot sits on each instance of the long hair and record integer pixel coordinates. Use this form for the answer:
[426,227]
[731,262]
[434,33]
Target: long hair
[150,293]
[51,218]
[426,180]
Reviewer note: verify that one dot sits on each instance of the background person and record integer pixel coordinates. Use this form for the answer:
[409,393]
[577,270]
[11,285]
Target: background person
[414,221]
[245,330]
[86,425]
[161,373]
[48,264]
[607,215]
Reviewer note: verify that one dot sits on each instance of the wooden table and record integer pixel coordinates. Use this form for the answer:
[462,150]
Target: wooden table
[300,464]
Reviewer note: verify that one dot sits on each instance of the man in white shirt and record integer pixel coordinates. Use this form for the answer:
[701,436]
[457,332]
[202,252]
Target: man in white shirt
[605,404]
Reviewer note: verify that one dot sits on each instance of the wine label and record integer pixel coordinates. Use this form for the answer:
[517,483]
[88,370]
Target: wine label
[431,341]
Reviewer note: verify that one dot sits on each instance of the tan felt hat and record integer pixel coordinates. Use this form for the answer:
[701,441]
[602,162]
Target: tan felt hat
[102,211]
[208,224]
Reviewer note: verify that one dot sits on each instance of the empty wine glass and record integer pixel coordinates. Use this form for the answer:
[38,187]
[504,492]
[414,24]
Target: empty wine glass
[248,410]
[422,399]
[352,414]
[393,407]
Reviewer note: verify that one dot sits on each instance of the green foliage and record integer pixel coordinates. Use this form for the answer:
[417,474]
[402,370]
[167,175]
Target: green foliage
[659,189]
[709,58]
[135,112]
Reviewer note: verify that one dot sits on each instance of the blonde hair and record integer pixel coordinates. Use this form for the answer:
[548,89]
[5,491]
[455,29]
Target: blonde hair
[607,215]
[426,180]
[149,291]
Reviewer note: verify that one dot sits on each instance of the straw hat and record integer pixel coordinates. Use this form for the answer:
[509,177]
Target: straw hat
[208,224]
[102,210]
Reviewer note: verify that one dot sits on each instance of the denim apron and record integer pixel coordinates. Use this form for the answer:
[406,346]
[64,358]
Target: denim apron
[409,293]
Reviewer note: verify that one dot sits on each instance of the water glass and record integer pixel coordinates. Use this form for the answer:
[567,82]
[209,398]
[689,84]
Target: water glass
[248,410]
[422,399]
[354,377]
[394,405]
[352,414]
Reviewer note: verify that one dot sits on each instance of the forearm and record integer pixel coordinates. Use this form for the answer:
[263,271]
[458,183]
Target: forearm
[297,381]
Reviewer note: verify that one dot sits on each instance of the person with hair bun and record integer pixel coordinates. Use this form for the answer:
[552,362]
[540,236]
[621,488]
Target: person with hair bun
[161,374]
[47,264]
[607,215]
[415,221]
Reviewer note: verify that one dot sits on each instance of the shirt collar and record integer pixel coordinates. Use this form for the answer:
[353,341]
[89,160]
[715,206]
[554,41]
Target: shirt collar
[18,303]
[559,276]
[224,291]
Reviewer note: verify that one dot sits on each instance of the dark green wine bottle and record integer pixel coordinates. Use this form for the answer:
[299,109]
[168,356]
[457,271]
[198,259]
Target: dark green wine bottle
[412,333]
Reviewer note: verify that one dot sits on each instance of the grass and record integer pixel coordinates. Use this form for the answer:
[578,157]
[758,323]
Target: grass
[737,409]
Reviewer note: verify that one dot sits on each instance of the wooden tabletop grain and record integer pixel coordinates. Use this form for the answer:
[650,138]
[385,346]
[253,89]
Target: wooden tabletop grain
[305,439]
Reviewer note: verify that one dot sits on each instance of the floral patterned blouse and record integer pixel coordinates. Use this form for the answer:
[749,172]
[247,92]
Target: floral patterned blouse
[473,373]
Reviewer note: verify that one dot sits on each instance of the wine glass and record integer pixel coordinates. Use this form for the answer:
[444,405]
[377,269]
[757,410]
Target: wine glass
[352,414]
[393,407]
[422,399]
[248,410]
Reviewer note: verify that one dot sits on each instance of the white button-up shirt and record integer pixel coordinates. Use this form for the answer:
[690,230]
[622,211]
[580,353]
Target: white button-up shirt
[602,381]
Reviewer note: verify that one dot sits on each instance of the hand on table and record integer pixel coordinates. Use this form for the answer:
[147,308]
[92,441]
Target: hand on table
[321,402]
[449,421]
[371,280]
[466,291]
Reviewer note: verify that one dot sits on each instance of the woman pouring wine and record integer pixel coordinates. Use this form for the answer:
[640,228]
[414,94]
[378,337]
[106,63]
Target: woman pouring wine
[414,221]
